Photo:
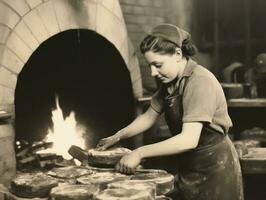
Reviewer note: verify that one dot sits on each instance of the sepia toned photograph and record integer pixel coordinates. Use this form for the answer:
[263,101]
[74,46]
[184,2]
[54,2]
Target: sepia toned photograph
[132,100]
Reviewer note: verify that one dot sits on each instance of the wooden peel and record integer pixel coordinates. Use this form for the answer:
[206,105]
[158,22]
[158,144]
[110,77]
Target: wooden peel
[79,154]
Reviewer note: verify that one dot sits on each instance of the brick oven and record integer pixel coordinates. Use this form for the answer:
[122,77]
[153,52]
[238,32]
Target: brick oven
[76,49]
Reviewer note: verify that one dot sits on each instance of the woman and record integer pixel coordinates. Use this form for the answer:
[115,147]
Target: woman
[196,113]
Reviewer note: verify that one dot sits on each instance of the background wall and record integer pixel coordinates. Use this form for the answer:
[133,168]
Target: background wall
[142,15]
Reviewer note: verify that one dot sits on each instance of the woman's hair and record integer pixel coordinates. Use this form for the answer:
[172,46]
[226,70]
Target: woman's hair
[160,45]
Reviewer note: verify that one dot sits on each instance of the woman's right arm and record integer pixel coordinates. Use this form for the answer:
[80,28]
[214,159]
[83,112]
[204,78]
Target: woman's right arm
[139,125]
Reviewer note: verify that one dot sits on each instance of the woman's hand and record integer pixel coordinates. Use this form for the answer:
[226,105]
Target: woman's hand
[129,162]
[107,142]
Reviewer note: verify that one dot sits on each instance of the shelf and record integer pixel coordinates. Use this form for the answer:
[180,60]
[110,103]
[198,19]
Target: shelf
[246,102]
[241,102]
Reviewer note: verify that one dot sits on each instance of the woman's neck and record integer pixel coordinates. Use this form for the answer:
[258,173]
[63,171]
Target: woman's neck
[182,64]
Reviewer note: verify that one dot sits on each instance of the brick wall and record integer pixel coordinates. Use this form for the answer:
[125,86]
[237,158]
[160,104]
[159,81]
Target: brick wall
[140,16]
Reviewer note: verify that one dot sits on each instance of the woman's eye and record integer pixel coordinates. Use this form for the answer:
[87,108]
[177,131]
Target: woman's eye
[157,65]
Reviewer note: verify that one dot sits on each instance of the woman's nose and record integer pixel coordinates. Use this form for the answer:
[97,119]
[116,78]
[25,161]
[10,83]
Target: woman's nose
[154,71]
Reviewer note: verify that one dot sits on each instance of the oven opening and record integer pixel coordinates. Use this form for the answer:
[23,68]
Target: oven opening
[87,74]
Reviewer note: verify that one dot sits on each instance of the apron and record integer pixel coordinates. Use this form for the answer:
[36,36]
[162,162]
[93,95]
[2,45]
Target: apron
[212,170]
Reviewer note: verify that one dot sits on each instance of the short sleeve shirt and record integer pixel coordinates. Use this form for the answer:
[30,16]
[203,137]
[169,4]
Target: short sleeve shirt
[203,98]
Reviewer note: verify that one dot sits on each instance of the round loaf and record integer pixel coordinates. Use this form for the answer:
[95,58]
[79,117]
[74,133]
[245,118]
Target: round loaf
[74,192]
[106,158]
[123,194]
[69,172]
[135,184]
[102,178]
[32,185]
[164,182]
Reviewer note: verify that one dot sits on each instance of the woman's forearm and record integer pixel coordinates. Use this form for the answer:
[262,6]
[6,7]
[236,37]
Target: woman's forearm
[139,125]
[180,143]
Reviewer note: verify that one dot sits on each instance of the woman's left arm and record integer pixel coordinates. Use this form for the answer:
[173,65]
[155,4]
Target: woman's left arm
[186,140]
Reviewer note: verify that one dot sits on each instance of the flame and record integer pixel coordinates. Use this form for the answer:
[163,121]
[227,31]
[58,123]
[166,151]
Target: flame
[65,133]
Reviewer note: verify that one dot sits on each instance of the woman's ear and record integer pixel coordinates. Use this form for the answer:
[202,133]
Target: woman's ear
[178,52]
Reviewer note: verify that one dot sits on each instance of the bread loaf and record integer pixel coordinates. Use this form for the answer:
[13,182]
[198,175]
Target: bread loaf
[106,158]
[31,185]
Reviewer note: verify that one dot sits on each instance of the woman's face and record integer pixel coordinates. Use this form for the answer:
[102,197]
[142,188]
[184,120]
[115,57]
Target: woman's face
[164,67]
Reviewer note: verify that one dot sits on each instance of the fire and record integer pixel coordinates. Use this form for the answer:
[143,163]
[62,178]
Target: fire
[65,133]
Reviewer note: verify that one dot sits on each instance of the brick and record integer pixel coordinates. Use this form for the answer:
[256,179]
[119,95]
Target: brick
[4,32]
[7,78]
[19,47]
[64,15]
[7,155]
[20,6]
[124,51]
[8,17]
[34,3]
[91,8]
[130,2]
[7,107]
[159,3]
[110,26]
[139,10]
[35,23]
[146,28]
[128,9]
[135,76]
[145,2]
[26,35]
[118,11]
[6,95]
[6,130]
[136,44]
[47,14]
[10,60]
[141,19]
[137,36]
[109,4]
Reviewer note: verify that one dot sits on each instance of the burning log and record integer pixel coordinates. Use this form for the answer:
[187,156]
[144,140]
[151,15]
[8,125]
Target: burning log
[48,160]
[27,160]
[31,156]
[38,146]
